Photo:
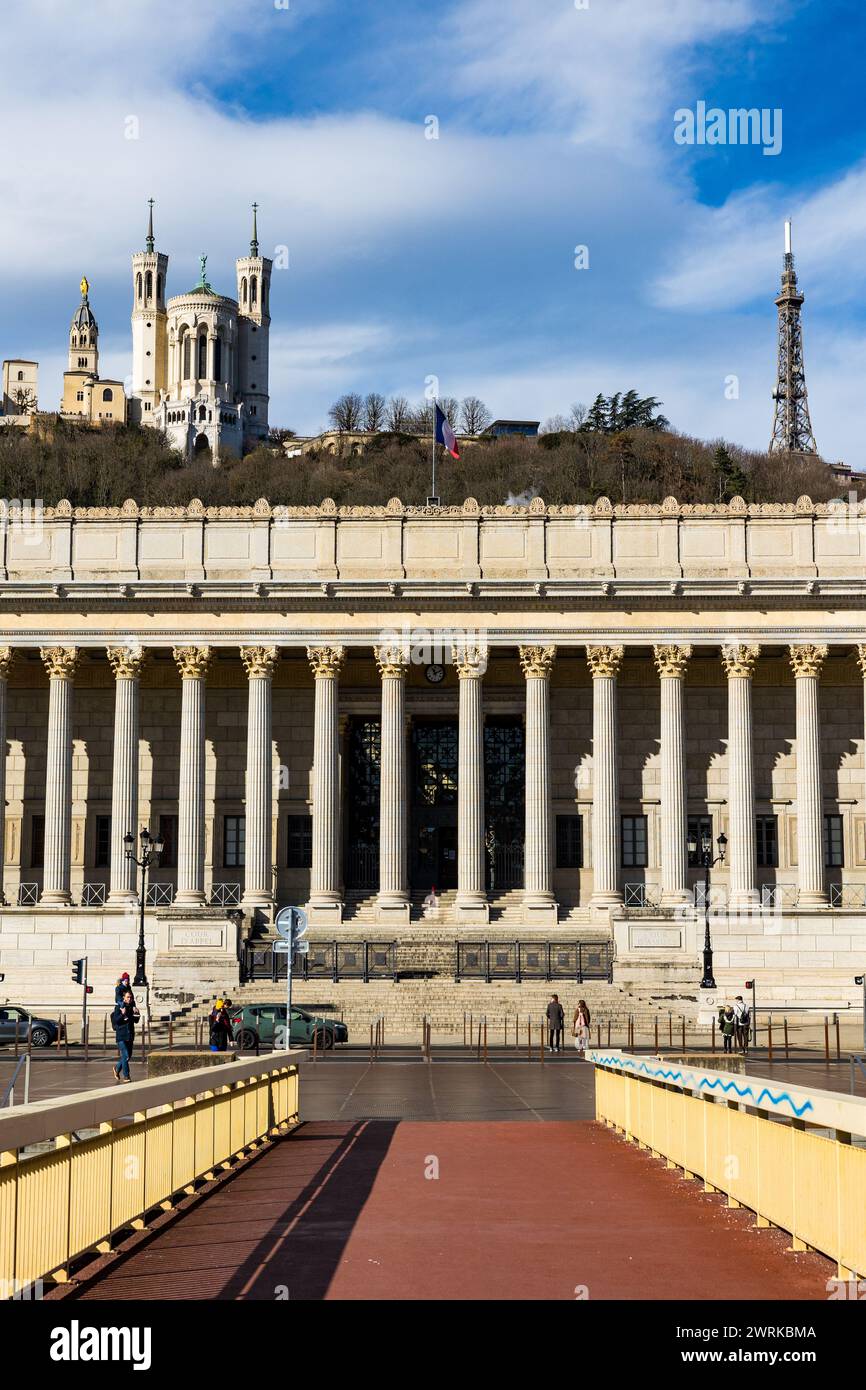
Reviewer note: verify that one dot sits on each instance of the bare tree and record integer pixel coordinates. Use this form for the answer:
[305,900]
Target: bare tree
[451,408]
[25,399]
[556,424]
[397,414]
[422,417]
[347,413]
[474,415]
[374,412]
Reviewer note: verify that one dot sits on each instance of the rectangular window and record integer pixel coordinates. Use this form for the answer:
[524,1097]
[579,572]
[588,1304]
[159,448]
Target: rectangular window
[300,843]
[634,842]
[834,855]
[102,848]
[37,842]
[168,835]
[766,842]
[698,827]
[234,841]
[569,842]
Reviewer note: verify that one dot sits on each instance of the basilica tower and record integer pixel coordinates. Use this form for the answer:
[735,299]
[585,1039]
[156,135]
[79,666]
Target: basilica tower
[149,335]
[84,336]
[254,322]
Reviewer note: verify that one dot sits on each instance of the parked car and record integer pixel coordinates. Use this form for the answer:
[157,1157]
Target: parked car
[257,1023]
[14,1019]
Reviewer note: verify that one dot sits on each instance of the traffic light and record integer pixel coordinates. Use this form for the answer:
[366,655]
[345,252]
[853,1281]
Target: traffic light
[750,984]
[78,971]
[858,979]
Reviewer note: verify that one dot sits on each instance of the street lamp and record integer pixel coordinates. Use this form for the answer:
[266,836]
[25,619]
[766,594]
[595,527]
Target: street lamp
[708,862]
[150,849]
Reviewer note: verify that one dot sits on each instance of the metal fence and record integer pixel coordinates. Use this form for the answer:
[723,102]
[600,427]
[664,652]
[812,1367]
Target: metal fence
[542,960]
[325,960]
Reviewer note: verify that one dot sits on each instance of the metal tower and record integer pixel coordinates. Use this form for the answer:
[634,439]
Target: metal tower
[792,428]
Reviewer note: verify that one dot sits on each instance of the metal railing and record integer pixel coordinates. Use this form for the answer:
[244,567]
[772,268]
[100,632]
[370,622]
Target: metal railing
[225,895]
[848,895]
[160,894]
[505,866]
[93,895]
[28,894]
[325,960]
[778,895]
[8,1097]
[789,1175]
[545,960]
[362,867]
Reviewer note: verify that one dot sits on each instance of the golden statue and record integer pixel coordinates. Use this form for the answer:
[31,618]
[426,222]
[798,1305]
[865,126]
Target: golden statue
[84,287]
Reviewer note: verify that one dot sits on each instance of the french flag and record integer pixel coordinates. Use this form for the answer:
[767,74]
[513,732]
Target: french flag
[444,433]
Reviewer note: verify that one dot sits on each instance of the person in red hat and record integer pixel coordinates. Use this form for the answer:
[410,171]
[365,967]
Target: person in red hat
[122,987]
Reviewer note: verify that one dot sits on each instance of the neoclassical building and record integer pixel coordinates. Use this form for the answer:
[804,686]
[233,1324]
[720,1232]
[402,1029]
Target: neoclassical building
[526,713]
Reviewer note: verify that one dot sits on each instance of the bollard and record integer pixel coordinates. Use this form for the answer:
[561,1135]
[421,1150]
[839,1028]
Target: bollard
[541,1042]
[598,1034]
[714,1033]
[171,1032]
[30,1037]
[769,1038]
[608,1032]
[104,1030]
[315,1044]
[838,1047]
[464,1027]
[65,1037]
[785,1022]
[529,1037]
[656,1033]
[87,1041]
[670,1030]
[471,1029]
[684,1031]
[371,1045]
[826,1039]
[485,1041]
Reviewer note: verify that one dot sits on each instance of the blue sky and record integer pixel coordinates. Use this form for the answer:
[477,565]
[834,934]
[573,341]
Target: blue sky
[411,257]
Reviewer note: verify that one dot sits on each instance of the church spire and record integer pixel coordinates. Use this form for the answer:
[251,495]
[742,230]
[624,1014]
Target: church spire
[254,243]
[150,238]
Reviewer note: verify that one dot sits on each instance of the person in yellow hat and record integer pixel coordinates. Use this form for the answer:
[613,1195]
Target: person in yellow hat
[220,1027]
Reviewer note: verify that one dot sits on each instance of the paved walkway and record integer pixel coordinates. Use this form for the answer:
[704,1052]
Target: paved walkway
[514,1211]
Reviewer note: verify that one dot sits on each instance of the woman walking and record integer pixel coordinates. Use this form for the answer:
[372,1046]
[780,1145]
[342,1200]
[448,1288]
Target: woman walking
[581,1026]
[123,1021]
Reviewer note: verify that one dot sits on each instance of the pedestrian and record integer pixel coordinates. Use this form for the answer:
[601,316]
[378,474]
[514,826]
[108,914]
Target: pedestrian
[743,1021]
[555,1023]
[123,1020]
[581,1026]
[728,1022]
[220,1027]
[121,986]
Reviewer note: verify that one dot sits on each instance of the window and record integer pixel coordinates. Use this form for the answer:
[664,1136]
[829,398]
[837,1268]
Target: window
[79,395]
[634,842]
[218,358]
[37,842]
[766,842]
[202,356]
[234,842]
[148,285]
[834,856]
[698,827]
[107,395]
[253,289]
[102,851]
[186,357]
[569,842]
[138,285]
[300,843]
[168,835]
[20,376]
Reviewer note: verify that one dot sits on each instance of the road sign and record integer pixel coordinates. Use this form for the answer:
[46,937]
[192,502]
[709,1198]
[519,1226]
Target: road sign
[281,948]
[291,925]
[291,922]
[302,948]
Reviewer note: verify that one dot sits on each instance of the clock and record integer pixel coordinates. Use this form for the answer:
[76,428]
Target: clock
[435,674]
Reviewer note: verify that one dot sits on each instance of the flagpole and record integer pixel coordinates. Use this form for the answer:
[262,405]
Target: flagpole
[433,500]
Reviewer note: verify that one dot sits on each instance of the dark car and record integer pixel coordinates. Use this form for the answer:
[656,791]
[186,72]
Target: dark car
[258,1023]
[13,1019]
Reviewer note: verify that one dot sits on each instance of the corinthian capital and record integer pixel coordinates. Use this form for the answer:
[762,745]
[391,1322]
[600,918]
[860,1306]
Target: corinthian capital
[740,660]
[7,656]
[60,662]
[861,658]
[326,662]
[470,661]
[537,661]
[259,661]
[192,662]
[604,661]
[808,658]
[126,661]
[672,661]
[391,661]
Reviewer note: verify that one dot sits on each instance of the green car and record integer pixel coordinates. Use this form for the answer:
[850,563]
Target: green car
[258,1023]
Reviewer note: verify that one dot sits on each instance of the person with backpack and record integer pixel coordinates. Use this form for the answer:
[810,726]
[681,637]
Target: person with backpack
[221,1033]
[123,1020]
[744,1021]
[728,1025]
[555,1023]
[581,1026]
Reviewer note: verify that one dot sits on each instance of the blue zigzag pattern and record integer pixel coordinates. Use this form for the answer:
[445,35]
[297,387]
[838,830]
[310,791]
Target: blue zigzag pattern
[701,1082]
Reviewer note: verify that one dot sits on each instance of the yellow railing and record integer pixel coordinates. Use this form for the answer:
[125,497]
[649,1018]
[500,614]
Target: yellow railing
[154,1140]
[806,1174]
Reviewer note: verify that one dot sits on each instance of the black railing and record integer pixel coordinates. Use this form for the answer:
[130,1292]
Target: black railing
[542,960]
[325,960]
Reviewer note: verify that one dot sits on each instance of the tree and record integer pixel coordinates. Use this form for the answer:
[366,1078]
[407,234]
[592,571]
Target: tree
[474,415]
[612,414]
[374,412]
[597,419]
[730,478]
[397,414]
[422,417]
[347,413]
[450,407]
[25,399]
[278,435]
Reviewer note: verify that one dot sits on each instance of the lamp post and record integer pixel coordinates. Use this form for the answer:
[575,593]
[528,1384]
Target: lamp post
[151,849]
[708,862]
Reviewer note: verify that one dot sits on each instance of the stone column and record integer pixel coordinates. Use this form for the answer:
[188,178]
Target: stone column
[192,663]
[739,663]
[604,663]
[325,898]
[806,663]
[471,903]
[126,663]
[7,656]
[60,663]
[539,902]
[671,663]
[259,663]
[393,902]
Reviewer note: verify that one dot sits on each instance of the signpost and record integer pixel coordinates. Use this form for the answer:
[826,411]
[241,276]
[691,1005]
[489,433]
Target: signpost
[291,925]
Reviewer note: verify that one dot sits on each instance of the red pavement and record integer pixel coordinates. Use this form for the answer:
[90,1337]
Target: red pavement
[518,1211]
